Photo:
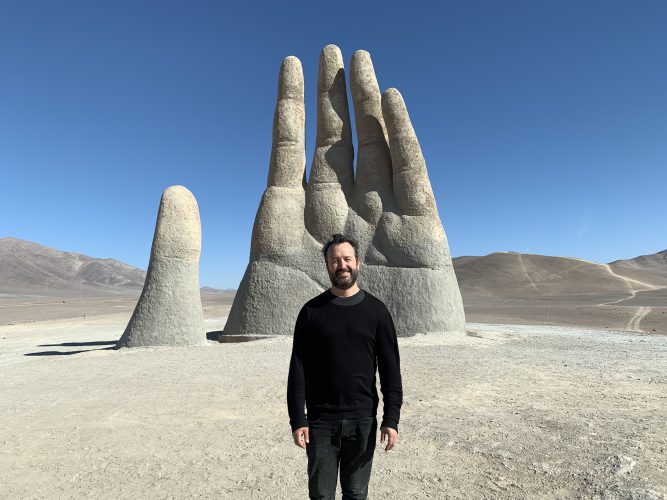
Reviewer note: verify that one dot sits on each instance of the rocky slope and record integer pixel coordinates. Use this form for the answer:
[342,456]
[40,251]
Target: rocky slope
[30,268]
[511,274]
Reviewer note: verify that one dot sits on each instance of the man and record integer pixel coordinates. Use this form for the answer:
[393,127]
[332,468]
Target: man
[341,337]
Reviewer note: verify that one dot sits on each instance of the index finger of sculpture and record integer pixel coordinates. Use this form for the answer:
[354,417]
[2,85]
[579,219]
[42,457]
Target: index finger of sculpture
[288,154]
[373,160]
[412,187]
[333,161]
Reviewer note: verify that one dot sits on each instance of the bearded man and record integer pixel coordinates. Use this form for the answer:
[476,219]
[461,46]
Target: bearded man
[341,338]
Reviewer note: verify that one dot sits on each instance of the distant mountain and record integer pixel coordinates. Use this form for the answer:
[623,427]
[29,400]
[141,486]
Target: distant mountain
[517,275]
[648,268]
[30,268]
[208,289]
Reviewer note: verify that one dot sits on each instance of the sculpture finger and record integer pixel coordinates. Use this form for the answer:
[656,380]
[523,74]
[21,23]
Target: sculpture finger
[332,171]
[169,310]
[412,188]
[373,159]
[333,161]
[288,155]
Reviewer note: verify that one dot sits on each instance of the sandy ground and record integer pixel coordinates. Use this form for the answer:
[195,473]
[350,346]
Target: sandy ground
[643,314]
[505,411]
[21,309]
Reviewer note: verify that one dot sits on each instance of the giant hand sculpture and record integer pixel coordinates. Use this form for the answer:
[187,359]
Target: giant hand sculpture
[389,208]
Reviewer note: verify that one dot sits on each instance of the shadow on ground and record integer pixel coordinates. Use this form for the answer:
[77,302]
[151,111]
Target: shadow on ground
[81,344]
[220,336]
[110,343]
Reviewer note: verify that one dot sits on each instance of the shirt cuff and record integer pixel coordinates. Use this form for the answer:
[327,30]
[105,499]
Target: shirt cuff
[389,422]
[299,423]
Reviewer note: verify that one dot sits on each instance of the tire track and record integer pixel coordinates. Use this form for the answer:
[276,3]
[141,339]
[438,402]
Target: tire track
[635,322]
[523,267]
[629,283]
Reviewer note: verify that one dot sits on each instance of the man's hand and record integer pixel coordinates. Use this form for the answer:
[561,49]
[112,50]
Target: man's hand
[301,437]
[390,434]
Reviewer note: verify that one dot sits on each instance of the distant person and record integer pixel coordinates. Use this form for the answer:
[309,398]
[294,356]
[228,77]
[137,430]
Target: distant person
[341,337]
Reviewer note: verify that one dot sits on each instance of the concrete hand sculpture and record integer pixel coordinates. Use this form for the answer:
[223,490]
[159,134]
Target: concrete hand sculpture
[389,208]
[169,310]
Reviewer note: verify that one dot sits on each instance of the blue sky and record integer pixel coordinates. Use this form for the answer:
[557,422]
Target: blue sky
[543,124]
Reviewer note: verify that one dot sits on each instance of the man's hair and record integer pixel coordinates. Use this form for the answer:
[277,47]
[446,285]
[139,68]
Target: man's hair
[337,239]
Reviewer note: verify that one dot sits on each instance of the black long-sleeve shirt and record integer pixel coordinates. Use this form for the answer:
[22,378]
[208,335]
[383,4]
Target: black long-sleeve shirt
[336,352]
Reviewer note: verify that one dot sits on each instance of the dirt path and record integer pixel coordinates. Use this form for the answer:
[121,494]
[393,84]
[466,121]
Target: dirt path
[632,290]
[523,267]
[634,325]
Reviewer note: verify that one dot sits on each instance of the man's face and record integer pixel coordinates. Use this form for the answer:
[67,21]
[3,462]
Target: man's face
[342,265]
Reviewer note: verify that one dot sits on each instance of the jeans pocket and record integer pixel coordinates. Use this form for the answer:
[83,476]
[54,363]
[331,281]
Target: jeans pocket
[365,421]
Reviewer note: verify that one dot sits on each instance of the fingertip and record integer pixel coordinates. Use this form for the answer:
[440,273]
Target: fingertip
[363,82]
[361,55]
[391,99]
[291,61]
[392,93]
[361,62]
[290,81]
[394,111]
[331,64]
[332,50]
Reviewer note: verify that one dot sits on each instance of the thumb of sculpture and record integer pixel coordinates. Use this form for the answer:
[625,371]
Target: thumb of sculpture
[169,311]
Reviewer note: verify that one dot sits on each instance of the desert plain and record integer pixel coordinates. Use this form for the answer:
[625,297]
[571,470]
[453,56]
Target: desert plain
[557,389]
[503,411]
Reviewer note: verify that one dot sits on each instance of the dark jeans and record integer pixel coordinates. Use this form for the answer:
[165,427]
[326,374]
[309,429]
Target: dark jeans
[350,443]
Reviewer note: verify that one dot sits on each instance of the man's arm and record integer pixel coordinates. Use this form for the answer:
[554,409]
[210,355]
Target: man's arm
[296,382]
[389,366]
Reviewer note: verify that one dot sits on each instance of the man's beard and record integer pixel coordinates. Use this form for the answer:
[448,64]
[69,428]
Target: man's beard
[343,283]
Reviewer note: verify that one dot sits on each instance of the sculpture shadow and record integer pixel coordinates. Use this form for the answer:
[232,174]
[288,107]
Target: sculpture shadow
[333,154]
[66,353]
[220,336]
[110,343]
[81,344]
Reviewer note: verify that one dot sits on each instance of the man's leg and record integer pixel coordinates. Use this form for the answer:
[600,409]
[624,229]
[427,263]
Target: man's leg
[356,457]
[323,455]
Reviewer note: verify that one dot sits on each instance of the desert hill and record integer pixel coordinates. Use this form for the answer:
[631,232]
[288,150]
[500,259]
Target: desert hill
[504,287]
[651,269]
[511,274]
[538,289]
[30,268]
[27,267]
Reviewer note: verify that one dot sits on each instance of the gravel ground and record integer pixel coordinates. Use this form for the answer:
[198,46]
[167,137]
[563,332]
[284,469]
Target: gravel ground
[506,411]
